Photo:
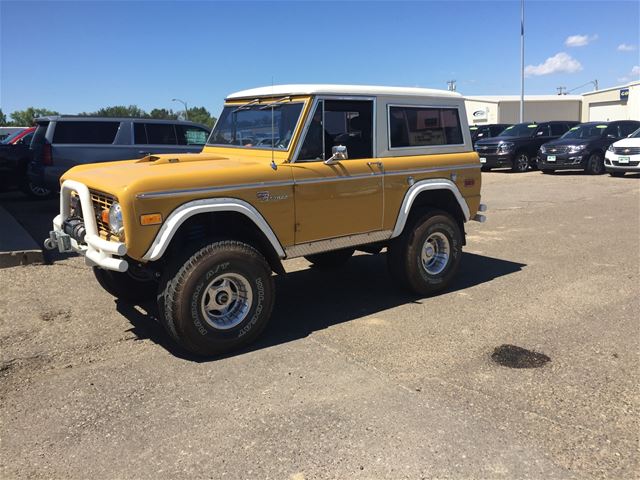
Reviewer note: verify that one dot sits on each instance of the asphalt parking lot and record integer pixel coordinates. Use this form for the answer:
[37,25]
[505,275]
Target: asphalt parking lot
[353,378]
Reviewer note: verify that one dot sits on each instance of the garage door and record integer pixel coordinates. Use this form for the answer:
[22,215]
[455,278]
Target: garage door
[607,111]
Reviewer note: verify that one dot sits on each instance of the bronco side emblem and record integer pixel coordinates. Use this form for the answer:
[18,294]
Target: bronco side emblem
[263,196]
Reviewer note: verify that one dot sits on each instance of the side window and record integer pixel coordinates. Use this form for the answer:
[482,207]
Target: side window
[191,135]
[85,132]
[424,126]
[612,131]
[139,134]
[161,134]
[627,129]
[339,122]
[543,131]
[558,129]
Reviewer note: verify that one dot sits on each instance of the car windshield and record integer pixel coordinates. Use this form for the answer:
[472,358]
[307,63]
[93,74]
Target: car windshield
[589,130]
[635,134]
[12,137]
[519,130]
[257,125]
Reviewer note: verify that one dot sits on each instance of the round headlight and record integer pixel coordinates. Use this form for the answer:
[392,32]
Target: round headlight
[115,219]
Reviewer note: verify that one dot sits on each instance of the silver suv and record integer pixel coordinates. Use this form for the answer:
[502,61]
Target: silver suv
[62,142]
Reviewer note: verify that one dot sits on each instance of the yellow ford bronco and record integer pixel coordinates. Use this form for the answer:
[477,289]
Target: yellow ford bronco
[314,171]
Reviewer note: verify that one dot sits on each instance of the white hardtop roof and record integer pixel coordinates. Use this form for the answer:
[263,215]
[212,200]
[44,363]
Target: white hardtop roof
[310,89]
[527,98]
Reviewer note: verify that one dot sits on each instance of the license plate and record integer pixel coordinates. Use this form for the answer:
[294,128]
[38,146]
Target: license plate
[623,159]
[551,158]
[483,160]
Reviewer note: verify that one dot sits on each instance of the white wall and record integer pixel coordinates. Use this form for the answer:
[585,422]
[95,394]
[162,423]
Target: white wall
[605,105]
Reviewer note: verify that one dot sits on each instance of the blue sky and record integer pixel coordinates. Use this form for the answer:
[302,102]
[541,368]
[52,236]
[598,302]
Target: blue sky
[80,56]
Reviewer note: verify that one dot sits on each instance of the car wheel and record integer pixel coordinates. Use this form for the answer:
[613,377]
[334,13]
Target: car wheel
[617,174]
[520,163]
[330,259]
[595,164]
[485,169]
[427,255]
[134,285]
[548,171]
[219,299]
[34,191]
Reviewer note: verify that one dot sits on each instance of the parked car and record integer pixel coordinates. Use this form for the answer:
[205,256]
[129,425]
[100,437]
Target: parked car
[15,156]
[8,131]
[583,147]
[62,142]
[480,132]
[365,168]
[517,146]
[623,156]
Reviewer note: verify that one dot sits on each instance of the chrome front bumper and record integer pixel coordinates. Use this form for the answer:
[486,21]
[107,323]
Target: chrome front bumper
[96,250]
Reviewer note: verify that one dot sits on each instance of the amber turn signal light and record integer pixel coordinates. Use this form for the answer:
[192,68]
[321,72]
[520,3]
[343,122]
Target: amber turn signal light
[104,216]
[151,219]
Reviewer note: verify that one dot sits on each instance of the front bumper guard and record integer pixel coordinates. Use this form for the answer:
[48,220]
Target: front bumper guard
[97,251]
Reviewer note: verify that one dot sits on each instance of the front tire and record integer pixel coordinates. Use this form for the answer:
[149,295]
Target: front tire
[595,164]
[426,257]
[219,299]
[133,285]
[34,191]
[617,174]
[520,163]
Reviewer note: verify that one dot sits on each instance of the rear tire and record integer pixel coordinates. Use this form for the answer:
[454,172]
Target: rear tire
[617,174]
[595,164]
[426,257]
[132,285]
[219,299]
[332,259]
[34,191]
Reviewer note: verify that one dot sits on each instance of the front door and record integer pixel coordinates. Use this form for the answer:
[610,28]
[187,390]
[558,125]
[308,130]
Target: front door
[343,198]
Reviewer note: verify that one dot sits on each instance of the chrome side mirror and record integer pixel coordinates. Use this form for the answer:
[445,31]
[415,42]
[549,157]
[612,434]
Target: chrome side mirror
[339,152]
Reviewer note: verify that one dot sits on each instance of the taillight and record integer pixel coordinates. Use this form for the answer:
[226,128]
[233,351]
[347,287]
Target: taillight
[47,158]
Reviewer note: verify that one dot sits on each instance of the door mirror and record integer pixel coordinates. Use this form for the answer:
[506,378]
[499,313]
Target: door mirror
[339,152]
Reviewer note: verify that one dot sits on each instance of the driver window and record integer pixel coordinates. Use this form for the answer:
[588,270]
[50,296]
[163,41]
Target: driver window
[339,122]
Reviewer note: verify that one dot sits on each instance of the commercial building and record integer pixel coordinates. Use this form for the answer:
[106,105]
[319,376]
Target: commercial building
[614,103]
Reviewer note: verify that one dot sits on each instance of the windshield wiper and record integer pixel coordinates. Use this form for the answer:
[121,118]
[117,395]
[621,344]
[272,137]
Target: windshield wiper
[275,103]
[245,105]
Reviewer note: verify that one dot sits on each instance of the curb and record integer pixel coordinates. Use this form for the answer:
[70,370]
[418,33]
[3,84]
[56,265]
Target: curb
[16,245]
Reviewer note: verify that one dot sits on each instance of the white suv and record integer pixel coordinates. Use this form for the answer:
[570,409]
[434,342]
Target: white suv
[624,155]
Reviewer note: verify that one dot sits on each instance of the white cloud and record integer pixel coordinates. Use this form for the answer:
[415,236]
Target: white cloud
[559,63]
[579,40]
[625,47]
[633,74]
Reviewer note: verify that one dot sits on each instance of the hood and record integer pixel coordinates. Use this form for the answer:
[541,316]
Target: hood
[171,172]
[628,142]
[494,140]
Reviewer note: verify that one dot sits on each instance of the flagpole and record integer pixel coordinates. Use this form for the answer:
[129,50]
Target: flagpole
[521,61]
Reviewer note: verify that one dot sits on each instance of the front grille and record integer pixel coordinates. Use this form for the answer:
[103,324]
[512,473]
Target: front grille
[486,149]
[630,164]
[626,150]
[102,201]
[558,149]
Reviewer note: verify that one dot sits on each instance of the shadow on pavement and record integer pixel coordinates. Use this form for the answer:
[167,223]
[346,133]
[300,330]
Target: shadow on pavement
[313,299]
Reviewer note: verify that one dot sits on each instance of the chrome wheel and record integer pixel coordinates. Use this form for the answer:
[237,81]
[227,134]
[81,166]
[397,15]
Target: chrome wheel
[226,301]
[436,251]
[522,163]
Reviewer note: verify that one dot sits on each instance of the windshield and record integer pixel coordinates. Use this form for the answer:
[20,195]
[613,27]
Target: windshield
[254,125]
[12,137]
[519,130]
[588,130]
[635,134]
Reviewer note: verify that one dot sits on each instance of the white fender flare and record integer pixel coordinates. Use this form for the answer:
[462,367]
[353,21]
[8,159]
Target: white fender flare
[422,186]
[189,209]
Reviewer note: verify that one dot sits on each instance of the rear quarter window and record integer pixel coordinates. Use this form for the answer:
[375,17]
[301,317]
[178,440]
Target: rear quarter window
[191,135]
[417,126]
[86,132]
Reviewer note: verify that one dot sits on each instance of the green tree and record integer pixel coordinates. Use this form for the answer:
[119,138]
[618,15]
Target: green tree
[163,113]
[117,111]
[24,118]
[201,115]
[3,118]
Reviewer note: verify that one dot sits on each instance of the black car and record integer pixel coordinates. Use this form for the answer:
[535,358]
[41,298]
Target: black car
[517,146]
[584,146]
[480,132]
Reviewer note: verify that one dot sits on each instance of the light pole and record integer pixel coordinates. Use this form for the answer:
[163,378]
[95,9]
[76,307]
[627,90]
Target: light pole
[521,61]
[186,114]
